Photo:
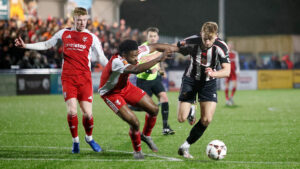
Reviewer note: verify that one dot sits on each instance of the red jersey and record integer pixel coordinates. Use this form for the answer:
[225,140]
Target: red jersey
[78,49]
[113,79]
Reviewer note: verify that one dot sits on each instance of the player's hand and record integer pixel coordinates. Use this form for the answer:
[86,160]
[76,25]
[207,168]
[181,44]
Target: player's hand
[209,71]
[19,42]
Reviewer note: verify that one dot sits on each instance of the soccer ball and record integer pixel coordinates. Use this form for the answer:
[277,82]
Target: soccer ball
[216,150]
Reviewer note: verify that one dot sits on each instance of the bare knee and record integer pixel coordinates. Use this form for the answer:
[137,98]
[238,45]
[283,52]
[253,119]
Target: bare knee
[163,97]
[154,110]
[206,121]
[135,124]
[72,110]
[181,117]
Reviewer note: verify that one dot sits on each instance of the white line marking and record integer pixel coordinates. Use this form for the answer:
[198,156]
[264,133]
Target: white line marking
[163,158]
[69,148]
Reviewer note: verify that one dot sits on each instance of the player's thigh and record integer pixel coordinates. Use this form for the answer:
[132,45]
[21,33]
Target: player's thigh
[207,111]
[128,115]
[71,106]
[86,107]
[85,90]
[145,85]
[187,90]
[146,103]
[69,89]
[132,94]
[183,110]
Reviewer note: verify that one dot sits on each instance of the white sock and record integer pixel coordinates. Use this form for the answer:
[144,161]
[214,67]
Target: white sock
[76,139]
[185,145]
[88,138]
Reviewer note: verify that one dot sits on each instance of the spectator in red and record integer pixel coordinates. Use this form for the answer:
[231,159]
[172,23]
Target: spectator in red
[286,62]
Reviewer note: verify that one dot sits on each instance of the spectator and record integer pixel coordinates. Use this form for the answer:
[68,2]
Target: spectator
[286,62]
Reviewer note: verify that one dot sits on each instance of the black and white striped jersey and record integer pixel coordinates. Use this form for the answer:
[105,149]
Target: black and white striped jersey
[201,59]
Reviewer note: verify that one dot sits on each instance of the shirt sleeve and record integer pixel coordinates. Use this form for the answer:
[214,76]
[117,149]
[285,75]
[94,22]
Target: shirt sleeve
[99,51]
[223,53]
[46,44]
[118,65]
[143,50]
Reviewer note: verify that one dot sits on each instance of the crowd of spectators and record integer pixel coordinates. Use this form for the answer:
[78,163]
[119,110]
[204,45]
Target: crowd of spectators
[36,30]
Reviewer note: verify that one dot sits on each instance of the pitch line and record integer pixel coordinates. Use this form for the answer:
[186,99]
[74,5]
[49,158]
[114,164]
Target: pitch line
[68,148]
[164,158]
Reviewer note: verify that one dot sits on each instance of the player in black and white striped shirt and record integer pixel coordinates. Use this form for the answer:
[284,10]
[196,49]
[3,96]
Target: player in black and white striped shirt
[206,52]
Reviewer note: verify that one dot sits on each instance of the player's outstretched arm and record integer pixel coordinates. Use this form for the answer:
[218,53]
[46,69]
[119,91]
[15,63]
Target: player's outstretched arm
[136,69]
[40,45]
[163,47]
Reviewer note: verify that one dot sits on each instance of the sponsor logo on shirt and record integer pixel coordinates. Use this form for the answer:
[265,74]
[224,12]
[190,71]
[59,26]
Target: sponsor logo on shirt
[75,46]
[69,37]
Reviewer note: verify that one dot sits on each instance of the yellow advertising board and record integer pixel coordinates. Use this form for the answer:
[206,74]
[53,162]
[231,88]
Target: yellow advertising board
[275,79]
[296,76]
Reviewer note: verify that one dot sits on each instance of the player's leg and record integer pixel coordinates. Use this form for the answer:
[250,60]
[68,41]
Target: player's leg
[187,96]
[128,116]
[88,124]
[183,111]
[70,95]
[234,87]
[160,92]
[85,98]
[73,122]
[117,103]
[147,104]
[207,112]
[227,80]
[207,95]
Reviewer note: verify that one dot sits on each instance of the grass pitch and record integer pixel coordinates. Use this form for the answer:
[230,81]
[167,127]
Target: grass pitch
[261,131]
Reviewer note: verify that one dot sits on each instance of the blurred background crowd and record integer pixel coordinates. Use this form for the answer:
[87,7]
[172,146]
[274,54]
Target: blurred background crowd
[26,21]
[36,30]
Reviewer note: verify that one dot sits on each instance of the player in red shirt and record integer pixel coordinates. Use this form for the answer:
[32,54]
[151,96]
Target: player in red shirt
[79,45]
[235,69]
[116,90]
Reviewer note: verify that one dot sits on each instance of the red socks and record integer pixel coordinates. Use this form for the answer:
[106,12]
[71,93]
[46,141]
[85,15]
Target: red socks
[73,124]
[135,139]
[226,94]
[88,125]
[233,91]
[149,124]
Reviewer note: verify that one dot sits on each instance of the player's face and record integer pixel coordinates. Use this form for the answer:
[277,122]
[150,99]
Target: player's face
[80,22]
[131,57]
[208,40]
[152,37]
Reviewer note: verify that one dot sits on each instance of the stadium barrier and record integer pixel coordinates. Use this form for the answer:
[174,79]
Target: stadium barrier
[47,81]
[275,79]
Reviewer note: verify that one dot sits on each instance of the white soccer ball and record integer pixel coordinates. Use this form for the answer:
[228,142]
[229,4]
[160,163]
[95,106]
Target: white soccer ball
[216,150]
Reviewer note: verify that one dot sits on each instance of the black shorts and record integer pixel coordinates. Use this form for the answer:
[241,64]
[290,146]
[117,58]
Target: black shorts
[151,86]
[207,90]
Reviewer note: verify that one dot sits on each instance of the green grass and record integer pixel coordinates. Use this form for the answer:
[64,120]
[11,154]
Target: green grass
[262,131]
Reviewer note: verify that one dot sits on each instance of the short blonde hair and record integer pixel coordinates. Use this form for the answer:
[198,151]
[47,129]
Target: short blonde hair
[79,11]
[210,28]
